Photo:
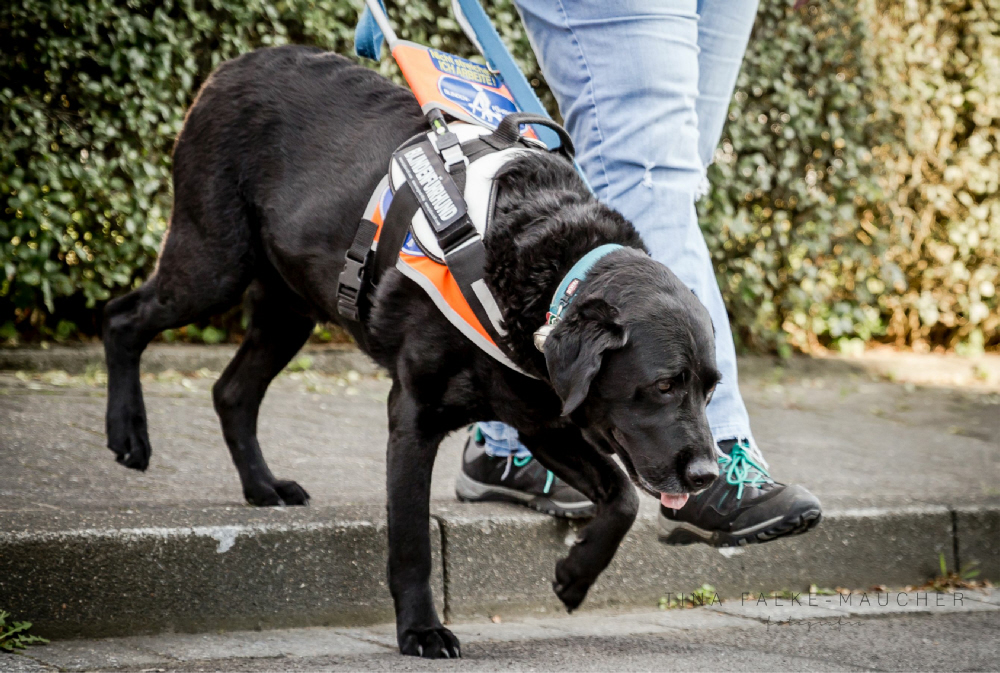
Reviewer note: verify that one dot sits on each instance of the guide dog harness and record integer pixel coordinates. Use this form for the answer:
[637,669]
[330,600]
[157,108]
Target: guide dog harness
[429,214]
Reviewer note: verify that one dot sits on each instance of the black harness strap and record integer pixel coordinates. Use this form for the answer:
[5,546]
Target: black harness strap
[466,263]
[352,278]
[508,133]
[441,199]
[394,228]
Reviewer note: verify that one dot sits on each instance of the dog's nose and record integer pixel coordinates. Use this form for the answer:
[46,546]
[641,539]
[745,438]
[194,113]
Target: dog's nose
[701,472]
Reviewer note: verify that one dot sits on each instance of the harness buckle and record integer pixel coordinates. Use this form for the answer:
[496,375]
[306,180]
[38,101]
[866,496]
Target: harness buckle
[452,154]
[349,287]
[448,145]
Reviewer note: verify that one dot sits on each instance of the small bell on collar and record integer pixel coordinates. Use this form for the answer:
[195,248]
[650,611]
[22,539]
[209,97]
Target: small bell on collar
[541,334]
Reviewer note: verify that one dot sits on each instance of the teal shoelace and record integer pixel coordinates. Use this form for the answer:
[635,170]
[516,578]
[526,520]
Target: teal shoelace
[741,469]
[521,462]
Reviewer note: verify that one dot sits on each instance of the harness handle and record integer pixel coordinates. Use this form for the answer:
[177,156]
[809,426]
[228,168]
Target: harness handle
[509,132]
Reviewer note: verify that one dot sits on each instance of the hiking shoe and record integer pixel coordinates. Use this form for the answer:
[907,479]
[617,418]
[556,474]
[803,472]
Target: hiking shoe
[523,481]
[743,506]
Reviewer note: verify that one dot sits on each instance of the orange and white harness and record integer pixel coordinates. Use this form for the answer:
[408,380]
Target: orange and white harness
[429,214]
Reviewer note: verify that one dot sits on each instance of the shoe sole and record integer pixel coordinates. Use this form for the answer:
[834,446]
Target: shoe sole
[468,489]
[685,533]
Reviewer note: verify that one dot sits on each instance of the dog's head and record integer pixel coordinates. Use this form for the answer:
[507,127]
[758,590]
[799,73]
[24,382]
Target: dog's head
[633,361]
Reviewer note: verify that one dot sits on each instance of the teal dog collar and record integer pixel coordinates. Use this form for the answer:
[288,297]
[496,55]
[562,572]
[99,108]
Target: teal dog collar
[566,293]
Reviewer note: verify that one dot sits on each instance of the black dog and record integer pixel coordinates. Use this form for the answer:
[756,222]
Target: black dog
[278,157]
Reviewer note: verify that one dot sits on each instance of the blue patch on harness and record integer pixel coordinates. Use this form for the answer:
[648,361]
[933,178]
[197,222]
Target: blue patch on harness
[487,106]
[385,202]
[410,246]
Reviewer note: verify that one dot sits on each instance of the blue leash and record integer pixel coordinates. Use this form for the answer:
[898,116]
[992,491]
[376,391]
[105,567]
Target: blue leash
[500,60]
[368,36]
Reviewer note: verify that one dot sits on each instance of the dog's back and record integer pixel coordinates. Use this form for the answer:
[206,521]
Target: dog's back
[289,142]
[277,158]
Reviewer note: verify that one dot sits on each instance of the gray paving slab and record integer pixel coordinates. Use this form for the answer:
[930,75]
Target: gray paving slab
[774,610]
[487,631]
[699,619]
[21,663]
[935,641]
[843,435]
[88,655]
[991,595]
[915,601]
[308,642]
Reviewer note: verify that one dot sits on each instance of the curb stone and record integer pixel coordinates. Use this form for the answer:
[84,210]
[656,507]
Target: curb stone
[102,581]
[852,548]
[321,568]
[978,536]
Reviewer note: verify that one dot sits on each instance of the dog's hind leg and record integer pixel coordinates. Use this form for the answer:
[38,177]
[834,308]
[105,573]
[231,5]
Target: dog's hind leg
[598,477]
[192,281]
[413,445]
[275,334]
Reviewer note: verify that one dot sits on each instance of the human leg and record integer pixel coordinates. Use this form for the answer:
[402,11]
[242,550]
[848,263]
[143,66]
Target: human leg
[644,89]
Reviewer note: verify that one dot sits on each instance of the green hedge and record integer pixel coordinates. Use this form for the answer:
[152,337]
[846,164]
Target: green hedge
[855,195]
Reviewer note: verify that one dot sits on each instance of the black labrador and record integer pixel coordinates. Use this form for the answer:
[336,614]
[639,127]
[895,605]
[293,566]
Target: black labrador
[272,171]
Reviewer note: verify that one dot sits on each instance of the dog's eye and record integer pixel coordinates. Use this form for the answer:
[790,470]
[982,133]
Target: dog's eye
[708,397]
[664,385]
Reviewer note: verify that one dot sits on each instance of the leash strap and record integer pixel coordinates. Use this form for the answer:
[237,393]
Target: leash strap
[368,36]
[480,30]
[486,37]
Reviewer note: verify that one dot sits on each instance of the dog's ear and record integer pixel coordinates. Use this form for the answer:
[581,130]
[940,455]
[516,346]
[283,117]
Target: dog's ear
[574,350]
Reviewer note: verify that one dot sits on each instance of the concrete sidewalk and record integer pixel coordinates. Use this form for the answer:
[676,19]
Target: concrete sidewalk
[882,631]
[903,451]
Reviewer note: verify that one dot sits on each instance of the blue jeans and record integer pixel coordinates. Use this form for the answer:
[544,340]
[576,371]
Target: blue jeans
[644,88]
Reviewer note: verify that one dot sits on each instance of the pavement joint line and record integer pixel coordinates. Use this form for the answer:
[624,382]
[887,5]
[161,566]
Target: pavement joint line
[443,533]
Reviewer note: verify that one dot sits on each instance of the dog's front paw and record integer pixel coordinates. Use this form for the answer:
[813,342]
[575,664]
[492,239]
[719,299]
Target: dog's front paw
[291,493]
[571,585]
[433,643]
[276,494]
[130,444]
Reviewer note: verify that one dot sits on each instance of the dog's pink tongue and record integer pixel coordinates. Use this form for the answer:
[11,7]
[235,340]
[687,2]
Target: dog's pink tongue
[673,501]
